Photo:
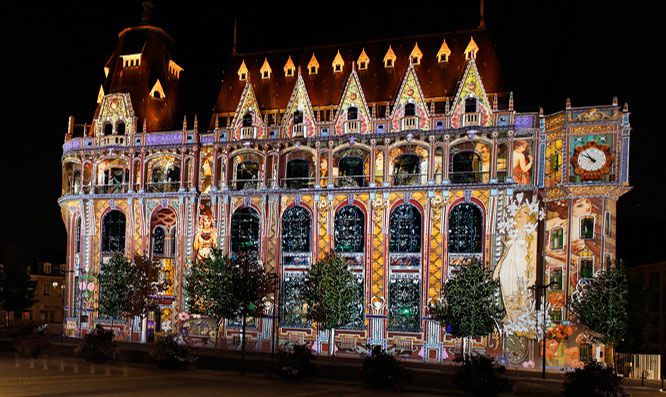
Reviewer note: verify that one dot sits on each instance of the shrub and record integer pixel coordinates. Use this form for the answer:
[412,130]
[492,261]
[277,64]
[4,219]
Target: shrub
[382,370]
[98,346]
[31,341]
[295,363]
[481,375]
[593,380]
[171,352]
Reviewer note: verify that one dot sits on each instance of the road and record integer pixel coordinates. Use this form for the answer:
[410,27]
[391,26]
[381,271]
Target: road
[73,377]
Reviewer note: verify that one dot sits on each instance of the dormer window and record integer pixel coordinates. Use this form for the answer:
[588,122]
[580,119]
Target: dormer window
[443,53]
[313,65]
[247,120]
[289,68]
[363,60]
[410,109]
[352,113]
[157,91]
[389,58]
[338,63]
[470,105]
[242,72]
[265,70]
[471,50]
[416,55]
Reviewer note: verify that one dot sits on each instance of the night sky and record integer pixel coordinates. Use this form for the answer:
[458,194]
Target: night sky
[53,59]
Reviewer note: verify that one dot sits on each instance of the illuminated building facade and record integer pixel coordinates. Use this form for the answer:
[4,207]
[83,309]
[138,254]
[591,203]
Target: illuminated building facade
[404,156]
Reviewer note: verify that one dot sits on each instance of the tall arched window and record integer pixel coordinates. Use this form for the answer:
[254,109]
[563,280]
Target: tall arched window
[247,119]
[465,229]
[410,109]
[405,230]
[296,226]
[245,231]
[120,127]
[159,235]
[107,128]
[113,232]
[349,230]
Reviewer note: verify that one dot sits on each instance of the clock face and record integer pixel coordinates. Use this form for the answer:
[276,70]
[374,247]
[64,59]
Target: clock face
[591,159]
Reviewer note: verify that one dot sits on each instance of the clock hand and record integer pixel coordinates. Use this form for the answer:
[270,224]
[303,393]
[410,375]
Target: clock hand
[589,157]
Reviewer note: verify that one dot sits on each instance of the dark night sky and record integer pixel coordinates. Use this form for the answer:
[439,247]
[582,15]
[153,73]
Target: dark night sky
[53,59]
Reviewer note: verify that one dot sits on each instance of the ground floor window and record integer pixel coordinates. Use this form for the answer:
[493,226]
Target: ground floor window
[404,305]
[294,311]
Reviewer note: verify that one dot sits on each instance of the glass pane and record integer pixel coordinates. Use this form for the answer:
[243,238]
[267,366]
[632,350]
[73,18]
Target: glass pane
[245,231]
[404,305]
[405,230]
[465,229]
[296,230]
[348,234]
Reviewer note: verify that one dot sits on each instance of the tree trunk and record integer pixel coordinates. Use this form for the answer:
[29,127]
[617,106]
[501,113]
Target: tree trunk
[243,346]
[331,346]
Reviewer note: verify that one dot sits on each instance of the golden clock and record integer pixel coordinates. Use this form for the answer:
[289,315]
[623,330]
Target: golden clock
[592,161]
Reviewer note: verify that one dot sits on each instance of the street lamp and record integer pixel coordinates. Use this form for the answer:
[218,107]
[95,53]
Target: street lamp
[55,285]
[538,288]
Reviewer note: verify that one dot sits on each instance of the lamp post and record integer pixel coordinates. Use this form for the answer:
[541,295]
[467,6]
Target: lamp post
[55,285]
[540,290]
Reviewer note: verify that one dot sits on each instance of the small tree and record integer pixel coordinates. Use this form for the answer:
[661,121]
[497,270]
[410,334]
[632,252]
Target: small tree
[17,291]
[470,304]
[593,380]
[601,306]
[115,277]
[224,288]
[145,286]
[331,295]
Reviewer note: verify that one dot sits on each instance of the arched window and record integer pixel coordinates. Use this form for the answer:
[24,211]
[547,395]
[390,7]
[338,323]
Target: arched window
[298,174]
[172,241]
[159,235]
[113,232]
[410,109]
[465,229]
[405,230]
[406,170]
[173,175]
[247,175]
[465,167]
[502,161]
[296,226]
[107,128]
[120,127]
[349,229]
[352,113]
[77,238]
[247,120]
[351,171]
[470,105]
[245,231]
[158,174]
[76,182]
[298,117]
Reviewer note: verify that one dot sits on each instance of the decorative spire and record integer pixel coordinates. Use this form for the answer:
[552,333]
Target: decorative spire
[289,67]
[145,125]
[389,58]
[443,53]
[184,123]
[615,101]
[265,70]
[482,20]
[234,50]
[568,103]
[471,50]
[313,65]
[495,102]
[416,55]
[196,123]
[217,121]
[511,100]
[363,60]
[338,62]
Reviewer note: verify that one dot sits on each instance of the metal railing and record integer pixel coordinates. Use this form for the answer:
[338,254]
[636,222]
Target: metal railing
[160,187]
[352,127]
[409,179]
[247,133]
[111,188]
[471,119]
[297,183]
[469,177]
[351,181]
[245,184]
[409,123]
[639,366]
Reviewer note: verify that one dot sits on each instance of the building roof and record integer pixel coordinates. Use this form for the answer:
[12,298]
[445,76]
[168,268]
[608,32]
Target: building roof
[379,83]
[155,48]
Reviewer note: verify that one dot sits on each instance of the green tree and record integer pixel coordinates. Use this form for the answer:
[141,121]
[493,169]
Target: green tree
[221,288]
[17,290]
[331,295]
[602,305]
[470,304]
[115,277]
[145,286]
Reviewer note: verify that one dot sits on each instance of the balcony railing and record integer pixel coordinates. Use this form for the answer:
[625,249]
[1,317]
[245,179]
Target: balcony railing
[469,176]
[157,187]
[352,127]
[245,184]
[471,119]
[112,140]
[247,133]
[409,179]
[297,183]
[409,123]
[111,188]
[351,181]
[299,130]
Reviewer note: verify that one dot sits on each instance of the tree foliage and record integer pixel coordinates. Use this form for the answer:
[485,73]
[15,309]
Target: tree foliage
[115,276]
[146,284]
[602,305]
[331,293]
[470,302]
[17,290]
[593,380]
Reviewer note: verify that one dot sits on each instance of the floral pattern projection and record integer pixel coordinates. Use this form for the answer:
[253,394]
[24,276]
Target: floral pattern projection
[516,272]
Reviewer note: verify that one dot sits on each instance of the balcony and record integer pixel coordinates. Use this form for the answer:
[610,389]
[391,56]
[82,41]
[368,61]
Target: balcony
[299,131]
[161,187]
[111,188]
[110,140]
[471,119]
[247,133]
[469,177]
[298,183]
[245,184]
[406,179]
[409,123]
[352,127]
[351,181]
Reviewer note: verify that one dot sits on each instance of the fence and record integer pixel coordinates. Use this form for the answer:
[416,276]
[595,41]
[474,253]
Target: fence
[639,366]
